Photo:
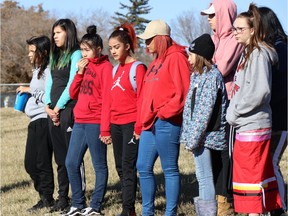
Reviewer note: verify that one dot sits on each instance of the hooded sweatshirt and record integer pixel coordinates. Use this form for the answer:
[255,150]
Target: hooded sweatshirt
[90,88]
[35,107]
[227,50]
[166,84]
[249,108]
[125,102]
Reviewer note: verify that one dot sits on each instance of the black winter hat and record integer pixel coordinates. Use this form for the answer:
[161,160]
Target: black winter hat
[203,46]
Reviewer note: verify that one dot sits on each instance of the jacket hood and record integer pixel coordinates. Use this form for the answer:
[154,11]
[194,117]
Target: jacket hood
[99,60]
[176,48]
[226,12]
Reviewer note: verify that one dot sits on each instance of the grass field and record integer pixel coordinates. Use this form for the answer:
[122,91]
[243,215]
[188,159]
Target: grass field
[18,194]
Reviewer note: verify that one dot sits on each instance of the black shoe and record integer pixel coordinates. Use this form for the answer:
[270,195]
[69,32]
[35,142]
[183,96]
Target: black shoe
[41,204]
[90,211]
[277,212]
[130,213]
[73,211]
[60,205]
[36,207]
[47,201]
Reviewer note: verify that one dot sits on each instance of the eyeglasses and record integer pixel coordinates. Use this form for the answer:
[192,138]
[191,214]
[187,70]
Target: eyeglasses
[239,30]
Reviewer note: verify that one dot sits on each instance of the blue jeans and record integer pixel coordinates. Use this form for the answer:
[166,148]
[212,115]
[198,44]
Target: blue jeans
[163,141]
[87,136]
[204,173]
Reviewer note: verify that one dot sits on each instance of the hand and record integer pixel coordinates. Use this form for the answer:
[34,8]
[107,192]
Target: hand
[82,65]
[137,136]
[56,123]
[106,140]
[23,89]
[53,115]
[49,111]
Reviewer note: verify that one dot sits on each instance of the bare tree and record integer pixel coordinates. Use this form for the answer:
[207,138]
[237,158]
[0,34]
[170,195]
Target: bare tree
[17,25]
[99,18]
[189,26]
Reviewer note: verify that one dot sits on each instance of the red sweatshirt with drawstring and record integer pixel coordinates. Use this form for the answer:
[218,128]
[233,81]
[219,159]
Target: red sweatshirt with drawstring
[91,89]
[166,84]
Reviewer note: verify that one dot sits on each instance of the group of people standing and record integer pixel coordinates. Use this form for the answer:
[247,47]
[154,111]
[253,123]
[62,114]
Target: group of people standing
[215,98]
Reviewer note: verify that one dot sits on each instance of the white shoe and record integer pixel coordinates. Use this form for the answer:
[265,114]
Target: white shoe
[73,211]
[91,211]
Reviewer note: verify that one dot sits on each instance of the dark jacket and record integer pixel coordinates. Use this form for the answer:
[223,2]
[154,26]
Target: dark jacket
[279,89]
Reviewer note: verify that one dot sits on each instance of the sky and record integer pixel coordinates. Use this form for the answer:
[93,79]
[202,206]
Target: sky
[162,9]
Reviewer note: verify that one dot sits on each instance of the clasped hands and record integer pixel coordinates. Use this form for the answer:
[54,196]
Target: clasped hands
[54,115]
[108,139]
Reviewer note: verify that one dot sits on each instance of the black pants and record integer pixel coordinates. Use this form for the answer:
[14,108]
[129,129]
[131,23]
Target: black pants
[60,136]
[221,173]
[38,158]
[222,169]
[125,156]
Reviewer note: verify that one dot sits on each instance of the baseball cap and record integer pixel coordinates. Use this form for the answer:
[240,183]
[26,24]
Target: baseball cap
[155,27]
[210,10]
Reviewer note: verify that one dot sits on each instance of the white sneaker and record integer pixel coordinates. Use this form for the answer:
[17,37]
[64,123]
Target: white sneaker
[73,211]
[91,211]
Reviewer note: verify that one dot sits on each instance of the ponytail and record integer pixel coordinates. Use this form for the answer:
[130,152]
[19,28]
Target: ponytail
[254,21]
[126,34]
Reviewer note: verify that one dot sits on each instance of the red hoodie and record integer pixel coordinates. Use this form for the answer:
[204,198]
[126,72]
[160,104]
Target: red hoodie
[165,87]
[90,88]
[125,102]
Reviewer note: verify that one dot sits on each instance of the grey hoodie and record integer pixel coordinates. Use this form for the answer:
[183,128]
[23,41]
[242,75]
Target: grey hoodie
[249,107]
[35,107]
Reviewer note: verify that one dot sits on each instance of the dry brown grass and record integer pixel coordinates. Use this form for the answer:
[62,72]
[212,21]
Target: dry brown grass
[18,194]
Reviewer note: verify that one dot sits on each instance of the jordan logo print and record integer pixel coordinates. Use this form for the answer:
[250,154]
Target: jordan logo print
[117,82]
